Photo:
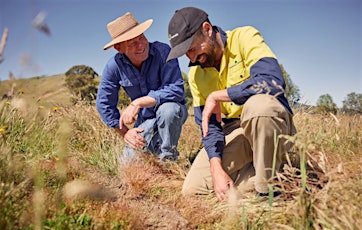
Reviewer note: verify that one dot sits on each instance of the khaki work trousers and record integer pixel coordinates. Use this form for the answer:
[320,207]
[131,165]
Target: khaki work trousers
[249,148]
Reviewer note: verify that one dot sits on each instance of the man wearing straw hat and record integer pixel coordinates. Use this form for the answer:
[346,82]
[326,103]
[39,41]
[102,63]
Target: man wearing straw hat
[155,87]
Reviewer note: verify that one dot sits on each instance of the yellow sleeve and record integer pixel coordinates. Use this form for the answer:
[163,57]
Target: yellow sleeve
[252,45]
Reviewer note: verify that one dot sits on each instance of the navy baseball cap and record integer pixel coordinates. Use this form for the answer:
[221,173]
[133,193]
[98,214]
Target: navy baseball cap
[181,28]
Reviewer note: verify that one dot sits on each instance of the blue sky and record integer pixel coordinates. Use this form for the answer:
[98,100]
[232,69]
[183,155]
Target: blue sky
[319,42]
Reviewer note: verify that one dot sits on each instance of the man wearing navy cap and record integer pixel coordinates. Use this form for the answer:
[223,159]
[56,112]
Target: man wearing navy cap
[239,103]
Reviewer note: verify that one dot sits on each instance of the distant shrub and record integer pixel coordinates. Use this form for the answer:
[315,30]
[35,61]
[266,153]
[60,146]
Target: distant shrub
[353,103]
[325,104]
[80,80]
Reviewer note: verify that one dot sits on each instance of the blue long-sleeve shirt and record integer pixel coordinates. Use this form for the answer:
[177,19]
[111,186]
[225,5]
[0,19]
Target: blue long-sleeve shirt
[248,67]
[158,79]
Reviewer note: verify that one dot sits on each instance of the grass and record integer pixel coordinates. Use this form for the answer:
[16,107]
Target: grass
[59,170]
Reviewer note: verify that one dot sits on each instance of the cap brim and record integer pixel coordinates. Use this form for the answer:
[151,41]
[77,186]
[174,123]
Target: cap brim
[134,32]
[180,49]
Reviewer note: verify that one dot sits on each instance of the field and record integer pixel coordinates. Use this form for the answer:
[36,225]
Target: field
[59,170]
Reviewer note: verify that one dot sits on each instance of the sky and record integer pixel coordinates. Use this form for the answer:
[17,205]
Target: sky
[318,42]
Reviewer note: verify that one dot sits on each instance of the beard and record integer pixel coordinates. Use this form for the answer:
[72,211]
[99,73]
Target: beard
[209,60]
[210,54]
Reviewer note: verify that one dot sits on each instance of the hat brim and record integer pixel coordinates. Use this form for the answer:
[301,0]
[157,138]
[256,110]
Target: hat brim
[180,49]
[132,33]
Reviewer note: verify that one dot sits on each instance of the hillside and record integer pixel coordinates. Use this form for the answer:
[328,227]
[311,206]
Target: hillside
[44,91]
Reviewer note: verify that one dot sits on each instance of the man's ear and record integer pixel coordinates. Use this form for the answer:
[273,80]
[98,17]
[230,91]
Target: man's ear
[207,28]
[117,47]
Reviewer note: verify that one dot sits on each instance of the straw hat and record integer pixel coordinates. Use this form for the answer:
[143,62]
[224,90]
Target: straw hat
[125,28]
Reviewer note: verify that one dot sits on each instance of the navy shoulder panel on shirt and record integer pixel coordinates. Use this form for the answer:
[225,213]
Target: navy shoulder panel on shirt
[268,69]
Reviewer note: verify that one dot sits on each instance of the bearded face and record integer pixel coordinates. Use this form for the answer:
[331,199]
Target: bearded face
[204,51]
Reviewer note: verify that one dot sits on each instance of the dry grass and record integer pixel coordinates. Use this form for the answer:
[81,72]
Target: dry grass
[59,170]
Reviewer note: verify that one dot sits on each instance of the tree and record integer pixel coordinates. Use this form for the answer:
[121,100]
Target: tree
[291,90]
[81,81]
[353,103]
[325,104]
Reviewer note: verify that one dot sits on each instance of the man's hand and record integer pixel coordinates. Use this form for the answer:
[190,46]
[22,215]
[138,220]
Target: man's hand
[131,136]
[212,106]
[221,180]
[129,114]
[133,139]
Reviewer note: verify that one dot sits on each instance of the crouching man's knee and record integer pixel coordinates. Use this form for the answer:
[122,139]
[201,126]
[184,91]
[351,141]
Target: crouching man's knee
[191,189]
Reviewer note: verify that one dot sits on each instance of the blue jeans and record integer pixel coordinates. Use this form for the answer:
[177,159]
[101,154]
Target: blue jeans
[161,133]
